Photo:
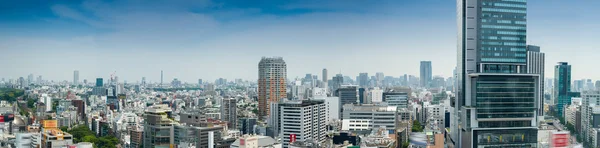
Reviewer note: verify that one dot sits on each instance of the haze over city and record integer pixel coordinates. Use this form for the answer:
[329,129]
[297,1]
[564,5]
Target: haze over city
[226,39]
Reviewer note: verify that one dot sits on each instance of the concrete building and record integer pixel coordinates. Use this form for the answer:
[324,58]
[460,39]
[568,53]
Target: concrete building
[376,95]
[436,116]
[256,142]
[535,64]
[491,70]
[336,82]
[158,126]
[193,136]
[325,79]
[303,121]
[426,74]
[363,80]
[272,73]
[590,104]
[76,77]
[570,113]
[333,107]
[229,112]
[367,116]
[53,137]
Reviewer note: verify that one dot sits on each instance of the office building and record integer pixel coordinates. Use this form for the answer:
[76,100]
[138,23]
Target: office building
[379,79]
[337,82]
[271,82]
[246,126]
[333,107]
[398,99]
[590,103]
[426,74]
[325,79]
[303,121]
[254,141]
[362,96]
[348,94]
[199,82]
[376,95]
[207,137]
[363,79]
[99,82]
[535,65]
[562,86]
[496,97]
[76,77]
[367,116]
[52,136]
[158,126]
[161,78]
[229,112]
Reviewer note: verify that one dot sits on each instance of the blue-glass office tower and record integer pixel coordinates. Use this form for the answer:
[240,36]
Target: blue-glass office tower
[562,86]
[99,82]
[497,99]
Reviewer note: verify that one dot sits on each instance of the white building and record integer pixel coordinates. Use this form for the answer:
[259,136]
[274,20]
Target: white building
[333,107]
[436,115]
[256,142]
[303,120]
[569,113]
[367,116]
[590,101]
[24,140]
[376,95]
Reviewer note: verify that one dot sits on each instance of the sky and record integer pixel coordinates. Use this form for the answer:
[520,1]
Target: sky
[206,39]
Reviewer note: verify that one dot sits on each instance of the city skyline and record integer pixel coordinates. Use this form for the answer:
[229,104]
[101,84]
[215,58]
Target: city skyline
[62,36]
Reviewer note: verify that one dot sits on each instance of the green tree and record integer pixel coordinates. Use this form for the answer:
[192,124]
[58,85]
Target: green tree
[90,138]
[30,103]
[417,127]
[64,128]
[255,111]
[405,144]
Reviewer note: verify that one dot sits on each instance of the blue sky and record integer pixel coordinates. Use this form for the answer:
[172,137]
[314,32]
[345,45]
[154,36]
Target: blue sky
[206,39]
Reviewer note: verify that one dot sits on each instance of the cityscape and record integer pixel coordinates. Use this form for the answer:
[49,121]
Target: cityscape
[299,74]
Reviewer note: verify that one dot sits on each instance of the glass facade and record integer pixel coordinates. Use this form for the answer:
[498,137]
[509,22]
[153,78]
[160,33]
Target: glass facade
[562,86]
[512,138]
[504,96]
[502,30]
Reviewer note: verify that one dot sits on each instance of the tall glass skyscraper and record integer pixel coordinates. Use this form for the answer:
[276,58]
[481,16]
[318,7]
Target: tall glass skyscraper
[497,99]
[425,74]
[562,86]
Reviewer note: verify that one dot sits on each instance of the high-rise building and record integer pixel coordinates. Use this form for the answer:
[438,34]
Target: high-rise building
[158,127]
[325,78]
[426,74]
[589,114]
[246,125]
[348,94]
[535,65]
[496,97]
[161,78]
[200,82]
[363,79]
[76,77]
[99,82]
[228,111]
[562,86]
[302,121]
[336,82]
[333,107]
[368,116]
[598,85]
[272,84]
[143,81]
[379,79]
[29,79]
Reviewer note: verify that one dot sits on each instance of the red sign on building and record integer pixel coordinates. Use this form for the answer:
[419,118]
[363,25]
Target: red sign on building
[292,138]
[560,139]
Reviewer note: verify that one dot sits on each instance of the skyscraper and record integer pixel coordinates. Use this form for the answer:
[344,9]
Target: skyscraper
[161,78]
[337,82]
[228,112]
[363,79]
[496,97]
[143,81]
[75,77]
[302,120]
[325,78]
[379,79]
[562,86]
[426,74]
[348,94]
[29,79]
[535,64]
[271,82]
[99,82]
